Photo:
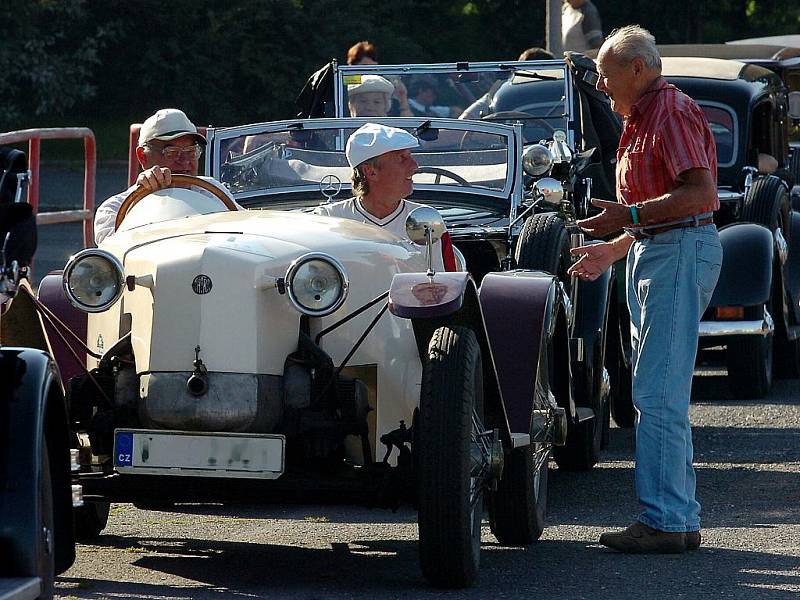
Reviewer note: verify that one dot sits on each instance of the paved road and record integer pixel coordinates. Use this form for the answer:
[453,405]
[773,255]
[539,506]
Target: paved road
[748,463]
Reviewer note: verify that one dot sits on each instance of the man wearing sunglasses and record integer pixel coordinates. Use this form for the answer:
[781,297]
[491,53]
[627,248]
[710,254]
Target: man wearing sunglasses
[168,143]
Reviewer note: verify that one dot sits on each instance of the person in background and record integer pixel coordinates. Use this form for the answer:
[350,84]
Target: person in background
[382,169]
[535,53]
[421,98]
[362,53]
[666,192]
[168,143]
[372,97]
[581,29]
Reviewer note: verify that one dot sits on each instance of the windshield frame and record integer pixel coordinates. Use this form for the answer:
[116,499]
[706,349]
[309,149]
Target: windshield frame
[343,72]
[506,198]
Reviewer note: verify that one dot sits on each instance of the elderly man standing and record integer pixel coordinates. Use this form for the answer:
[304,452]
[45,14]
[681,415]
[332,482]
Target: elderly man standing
[666,191]
[168,143]
[382,170]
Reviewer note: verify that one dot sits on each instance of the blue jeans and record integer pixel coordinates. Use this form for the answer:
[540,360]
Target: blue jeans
[670,280]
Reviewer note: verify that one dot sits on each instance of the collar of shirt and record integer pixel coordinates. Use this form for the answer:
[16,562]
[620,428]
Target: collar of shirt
[642,105]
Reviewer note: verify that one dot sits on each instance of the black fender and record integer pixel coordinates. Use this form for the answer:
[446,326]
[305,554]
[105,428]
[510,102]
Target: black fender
[590,317]
[745,278]
[791,272]
[433,307]
[32,407]
[527,331]
[51,294]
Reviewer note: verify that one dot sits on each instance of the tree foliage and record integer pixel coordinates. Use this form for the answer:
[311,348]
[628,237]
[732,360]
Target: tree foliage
[245,60]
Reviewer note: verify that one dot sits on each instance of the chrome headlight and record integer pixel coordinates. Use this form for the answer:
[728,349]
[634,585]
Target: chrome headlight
[537,160]
[93,280]
[317,284]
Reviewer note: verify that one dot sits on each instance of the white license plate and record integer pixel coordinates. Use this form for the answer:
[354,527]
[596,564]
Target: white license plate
[197,454]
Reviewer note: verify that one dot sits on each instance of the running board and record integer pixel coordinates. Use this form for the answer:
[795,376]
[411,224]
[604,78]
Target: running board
[584,413]
[20,588]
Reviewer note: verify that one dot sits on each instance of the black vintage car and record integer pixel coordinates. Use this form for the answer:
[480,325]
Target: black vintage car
[774,55]
[754,313]
[36,496]
[570,136]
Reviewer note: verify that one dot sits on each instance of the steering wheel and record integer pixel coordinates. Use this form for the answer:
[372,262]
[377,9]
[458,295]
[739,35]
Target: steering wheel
[177,181]
[439,172]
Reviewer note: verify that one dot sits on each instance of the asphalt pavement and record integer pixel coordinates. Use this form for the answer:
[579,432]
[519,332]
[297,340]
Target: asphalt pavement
[748,469]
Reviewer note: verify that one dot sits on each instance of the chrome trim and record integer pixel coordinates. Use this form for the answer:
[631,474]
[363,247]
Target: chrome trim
[781,245]
[292,271]
[73,262]
[766,326]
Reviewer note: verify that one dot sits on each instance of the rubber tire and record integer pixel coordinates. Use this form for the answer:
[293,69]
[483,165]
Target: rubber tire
[517,509]
[768,203]
[449,530]
[45,557]
[90,520]
[749,360]
[621,396]
[543,245]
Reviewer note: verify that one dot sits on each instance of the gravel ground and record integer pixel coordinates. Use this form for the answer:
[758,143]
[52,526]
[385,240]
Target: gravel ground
[748,465]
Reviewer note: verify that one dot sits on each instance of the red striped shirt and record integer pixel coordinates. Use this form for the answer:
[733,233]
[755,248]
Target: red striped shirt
[665,135]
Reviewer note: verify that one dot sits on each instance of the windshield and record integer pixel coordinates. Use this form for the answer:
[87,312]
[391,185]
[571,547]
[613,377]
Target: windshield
[533,93]
[262,164]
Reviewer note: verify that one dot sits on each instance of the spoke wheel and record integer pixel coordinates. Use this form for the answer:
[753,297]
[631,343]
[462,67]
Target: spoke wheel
[453,455]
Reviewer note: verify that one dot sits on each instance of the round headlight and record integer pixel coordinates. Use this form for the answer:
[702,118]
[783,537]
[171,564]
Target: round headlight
[316,284]
[93,280]
[536,160]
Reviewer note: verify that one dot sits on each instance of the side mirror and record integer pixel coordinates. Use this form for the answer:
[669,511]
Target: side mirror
[424,225]
[422,220]
[551,190]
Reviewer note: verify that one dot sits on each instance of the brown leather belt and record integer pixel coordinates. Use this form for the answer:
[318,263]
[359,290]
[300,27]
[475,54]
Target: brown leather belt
[643,234]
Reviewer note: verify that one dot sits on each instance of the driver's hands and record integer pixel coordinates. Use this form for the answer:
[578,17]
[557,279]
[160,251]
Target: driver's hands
[155,178]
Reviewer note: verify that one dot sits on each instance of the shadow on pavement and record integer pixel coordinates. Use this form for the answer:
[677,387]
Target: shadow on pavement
[389,568]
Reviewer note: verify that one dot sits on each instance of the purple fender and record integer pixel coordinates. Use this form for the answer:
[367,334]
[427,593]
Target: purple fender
[417,296]
[51,294]
[519,310]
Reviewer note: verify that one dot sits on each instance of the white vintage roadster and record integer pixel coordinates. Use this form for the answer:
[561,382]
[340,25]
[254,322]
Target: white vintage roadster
[261,355]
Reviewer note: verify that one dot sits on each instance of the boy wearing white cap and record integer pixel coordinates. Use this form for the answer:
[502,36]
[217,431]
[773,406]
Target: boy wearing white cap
[382,170]
[168,143]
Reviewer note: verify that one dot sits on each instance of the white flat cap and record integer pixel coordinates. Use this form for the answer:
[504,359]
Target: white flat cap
[371,140]
[371,83]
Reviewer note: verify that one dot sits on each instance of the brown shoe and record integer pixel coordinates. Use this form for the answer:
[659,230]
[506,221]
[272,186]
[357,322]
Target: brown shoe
[693,540]
[639,539]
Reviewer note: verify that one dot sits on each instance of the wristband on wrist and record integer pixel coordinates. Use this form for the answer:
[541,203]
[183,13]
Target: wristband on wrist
[634,214]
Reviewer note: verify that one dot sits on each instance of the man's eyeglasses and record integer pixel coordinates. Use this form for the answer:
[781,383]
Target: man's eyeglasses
[177,152]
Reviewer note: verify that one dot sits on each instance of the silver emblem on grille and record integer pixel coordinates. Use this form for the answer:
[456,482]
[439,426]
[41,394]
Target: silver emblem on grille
[201,284]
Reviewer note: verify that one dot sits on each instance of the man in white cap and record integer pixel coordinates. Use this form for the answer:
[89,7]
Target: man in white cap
[168,143]
[372,97]
[382,170]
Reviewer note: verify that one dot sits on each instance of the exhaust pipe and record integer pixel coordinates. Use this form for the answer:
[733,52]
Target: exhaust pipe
[197,384]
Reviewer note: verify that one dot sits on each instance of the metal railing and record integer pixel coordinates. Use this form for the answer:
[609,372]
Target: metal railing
[34,138]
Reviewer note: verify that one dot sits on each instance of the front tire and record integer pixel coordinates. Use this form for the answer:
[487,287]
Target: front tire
[750,366]
[90,520]
[450,497]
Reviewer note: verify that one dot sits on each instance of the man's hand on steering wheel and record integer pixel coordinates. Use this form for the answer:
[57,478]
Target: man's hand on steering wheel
[155,178]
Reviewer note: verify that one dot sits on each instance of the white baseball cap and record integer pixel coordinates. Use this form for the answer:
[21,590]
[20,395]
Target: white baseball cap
[168,124]
[371,83]
[371,140]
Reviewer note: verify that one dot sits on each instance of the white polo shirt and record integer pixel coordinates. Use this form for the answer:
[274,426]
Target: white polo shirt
[443,257]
